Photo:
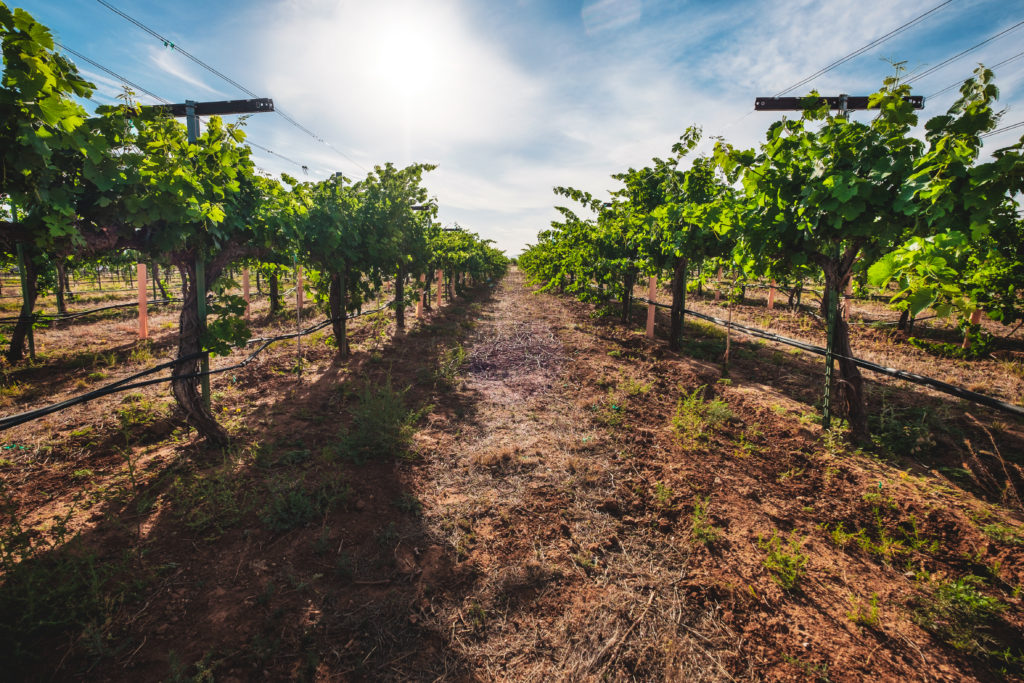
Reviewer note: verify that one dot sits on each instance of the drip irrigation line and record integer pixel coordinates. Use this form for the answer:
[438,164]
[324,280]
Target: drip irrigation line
[82,292]
[112,388]
[60,317]
[875,322]
[128,384]
[938,385]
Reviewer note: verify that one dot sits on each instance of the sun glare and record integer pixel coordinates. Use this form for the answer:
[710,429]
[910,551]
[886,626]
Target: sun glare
[406,57]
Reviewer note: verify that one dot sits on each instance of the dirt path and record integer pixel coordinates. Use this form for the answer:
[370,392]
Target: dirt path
[523,487]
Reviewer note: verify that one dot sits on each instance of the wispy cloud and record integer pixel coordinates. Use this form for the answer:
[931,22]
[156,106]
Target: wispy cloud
[165,60]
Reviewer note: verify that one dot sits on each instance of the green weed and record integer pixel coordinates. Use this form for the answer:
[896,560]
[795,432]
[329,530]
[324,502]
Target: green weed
[142,353]
[292,505]
[696,418]
[701,527]
[864,615]
[961,615]
[49,590]
[785,559]
[209,504]
[409,504]
[450,363]
[663,494]
[382,426]
[1003,533]
[899,432]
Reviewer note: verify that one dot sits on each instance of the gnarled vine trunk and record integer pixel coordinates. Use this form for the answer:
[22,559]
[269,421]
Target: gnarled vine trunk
[904,317]
[158,282]
[628,282]
[336,300]
[400,298]
[275,295]
[16,352]
[62,308]
[675,334]
[837,274]
[185,380]
[426,285]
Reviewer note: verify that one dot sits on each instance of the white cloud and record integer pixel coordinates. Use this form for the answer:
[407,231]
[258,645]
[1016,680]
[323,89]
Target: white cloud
[608,15]
[167,61]
[510,107]
[398,78]
[106,87]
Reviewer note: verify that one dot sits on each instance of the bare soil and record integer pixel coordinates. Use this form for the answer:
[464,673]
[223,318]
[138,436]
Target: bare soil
[574,502]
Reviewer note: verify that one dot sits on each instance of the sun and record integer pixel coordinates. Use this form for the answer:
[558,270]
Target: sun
[407,57]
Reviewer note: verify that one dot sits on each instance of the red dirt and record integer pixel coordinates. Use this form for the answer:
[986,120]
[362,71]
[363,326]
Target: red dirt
[546,527]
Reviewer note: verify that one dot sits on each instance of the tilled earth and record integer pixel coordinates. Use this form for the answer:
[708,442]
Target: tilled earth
[576,503]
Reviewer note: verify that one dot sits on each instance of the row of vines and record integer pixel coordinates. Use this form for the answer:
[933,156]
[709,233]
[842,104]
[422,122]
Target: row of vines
[124,184]
[824,197]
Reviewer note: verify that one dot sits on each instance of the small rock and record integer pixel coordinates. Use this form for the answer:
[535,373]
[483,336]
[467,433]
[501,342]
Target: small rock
[360,505]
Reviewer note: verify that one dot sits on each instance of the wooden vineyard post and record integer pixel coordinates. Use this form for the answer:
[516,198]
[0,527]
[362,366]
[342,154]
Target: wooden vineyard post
[652,294]
[245,291]
[975,320]
[771,296]
[440,286]
[143,313]
[423,297]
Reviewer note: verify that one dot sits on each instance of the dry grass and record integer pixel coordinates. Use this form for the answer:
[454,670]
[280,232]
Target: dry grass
[564,592]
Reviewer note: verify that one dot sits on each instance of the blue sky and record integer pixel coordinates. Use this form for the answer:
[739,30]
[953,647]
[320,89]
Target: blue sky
[513,97]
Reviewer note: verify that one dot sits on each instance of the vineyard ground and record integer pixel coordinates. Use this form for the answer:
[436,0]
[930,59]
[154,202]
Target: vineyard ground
[553,497]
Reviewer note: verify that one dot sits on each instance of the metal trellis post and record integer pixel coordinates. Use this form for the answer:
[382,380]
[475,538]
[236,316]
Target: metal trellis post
[826,411]
[192,110]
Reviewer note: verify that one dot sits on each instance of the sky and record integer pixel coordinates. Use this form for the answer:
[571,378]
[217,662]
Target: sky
[511,98]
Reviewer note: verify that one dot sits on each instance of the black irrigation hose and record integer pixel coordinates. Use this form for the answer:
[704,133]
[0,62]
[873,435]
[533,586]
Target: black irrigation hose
[867,365]
[113,388]
[873,322]
[806,290]
[60,317]
[127,384]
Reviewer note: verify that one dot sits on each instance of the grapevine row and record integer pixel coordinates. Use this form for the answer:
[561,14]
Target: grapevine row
[125,180]
[823,197]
